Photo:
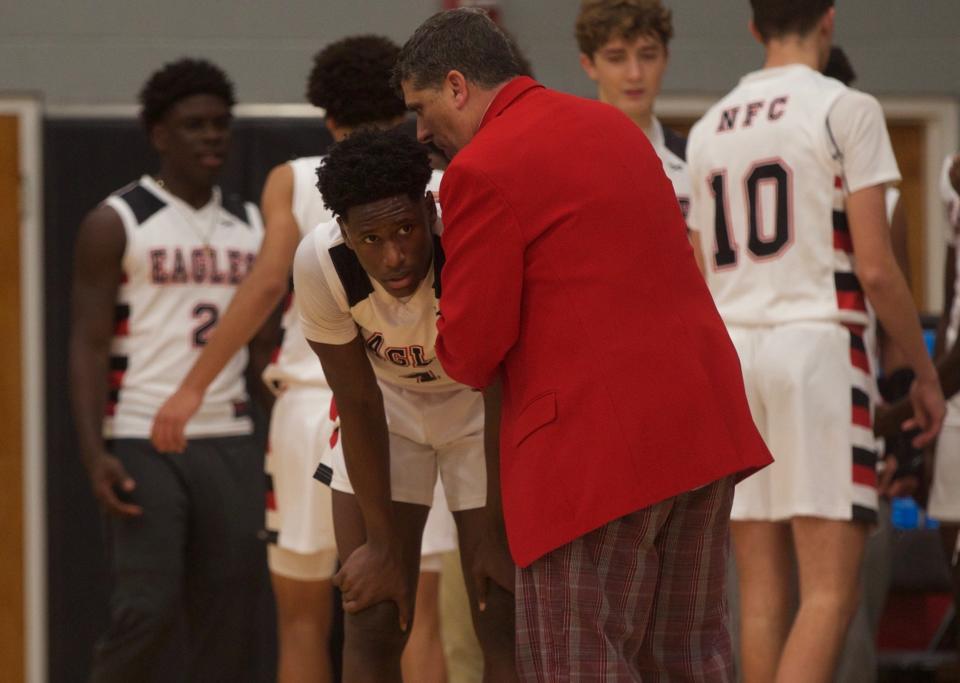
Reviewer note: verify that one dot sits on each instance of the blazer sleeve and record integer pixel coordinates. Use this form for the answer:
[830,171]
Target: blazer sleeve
[481,280]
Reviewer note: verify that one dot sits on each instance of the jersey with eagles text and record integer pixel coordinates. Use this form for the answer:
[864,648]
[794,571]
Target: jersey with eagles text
[770,167]
[181,267]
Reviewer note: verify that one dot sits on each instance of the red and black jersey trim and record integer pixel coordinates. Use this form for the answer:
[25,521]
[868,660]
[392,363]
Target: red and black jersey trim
[271,500]
[118,367]
[850,295]
[323,474]
[121,320]
[842,241]
[861,409]
[865,467]
[241,409]
[142,202]
[858,349]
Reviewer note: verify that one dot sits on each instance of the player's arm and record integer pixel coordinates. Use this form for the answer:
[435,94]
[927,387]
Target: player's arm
[374,572]
[98,257]
[252,304]
[887,290]
[482,279]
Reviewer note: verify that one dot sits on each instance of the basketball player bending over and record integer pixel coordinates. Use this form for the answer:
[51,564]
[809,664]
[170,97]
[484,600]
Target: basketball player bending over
[369,288]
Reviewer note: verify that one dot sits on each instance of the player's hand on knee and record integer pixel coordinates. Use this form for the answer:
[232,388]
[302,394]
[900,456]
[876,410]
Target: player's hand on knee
[112,485]
[493,564]
[374,574]
[169,424]
[929,410]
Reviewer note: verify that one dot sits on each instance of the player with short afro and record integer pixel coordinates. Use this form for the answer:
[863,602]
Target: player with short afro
[350,80]
[177,81]
[370,166]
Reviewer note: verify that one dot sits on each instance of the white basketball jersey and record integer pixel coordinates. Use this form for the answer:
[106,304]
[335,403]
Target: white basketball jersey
[294,362]
[400,335]
[671,148]
[768,192]
[181,267]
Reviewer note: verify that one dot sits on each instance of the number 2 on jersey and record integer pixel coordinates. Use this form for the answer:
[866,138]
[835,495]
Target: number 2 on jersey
[760,245]
[207,314]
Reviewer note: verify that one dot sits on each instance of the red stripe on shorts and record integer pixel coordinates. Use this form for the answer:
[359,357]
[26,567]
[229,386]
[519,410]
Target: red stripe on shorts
[861,417]
[866,476]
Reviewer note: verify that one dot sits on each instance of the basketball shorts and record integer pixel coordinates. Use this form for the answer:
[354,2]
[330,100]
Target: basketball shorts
[431,434]
[944,502]
[809,385]
[299,518]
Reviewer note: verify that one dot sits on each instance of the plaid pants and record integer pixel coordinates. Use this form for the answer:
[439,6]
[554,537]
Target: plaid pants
[639,599]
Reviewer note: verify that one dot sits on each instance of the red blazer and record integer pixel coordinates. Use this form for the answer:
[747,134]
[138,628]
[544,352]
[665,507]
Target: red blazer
[568,269]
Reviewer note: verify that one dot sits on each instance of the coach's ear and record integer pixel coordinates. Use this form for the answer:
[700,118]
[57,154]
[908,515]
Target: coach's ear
[344,233]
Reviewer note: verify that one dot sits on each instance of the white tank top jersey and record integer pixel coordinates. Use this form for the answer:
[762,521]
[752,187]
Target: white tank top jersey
[771,165]
[294,362]
[672,150]
[951,203]
[181,267]
[337,298]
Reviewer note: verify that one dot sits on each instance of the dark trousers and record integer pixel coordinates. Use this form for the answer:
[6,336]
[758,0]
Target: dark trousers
[192,559]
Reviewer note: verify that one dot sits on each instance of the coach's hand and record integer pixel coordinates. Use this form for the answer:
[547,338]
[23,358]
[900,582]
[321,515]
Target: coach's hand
[170,422]
[929,410]
[493,563]
[374,574]
[110,482]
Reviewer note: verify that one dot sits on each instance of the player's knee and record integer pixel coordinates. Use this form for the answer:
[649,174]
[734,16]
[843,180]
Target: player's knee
[375,632]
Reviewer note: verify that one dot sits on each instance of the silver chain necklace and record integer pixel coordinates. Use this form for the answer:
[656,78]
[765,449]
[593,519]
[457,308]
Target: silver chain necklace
[205,235]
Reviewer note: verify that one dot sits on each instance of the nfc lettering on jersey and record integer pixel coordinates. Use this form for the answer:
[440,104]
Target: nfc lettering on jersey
[730,118]
[169,265]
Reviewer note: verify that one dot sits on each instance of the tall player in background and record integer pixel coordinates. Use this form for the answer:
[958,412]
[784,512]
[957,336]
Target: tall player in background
[787,175]
[624,48]
[156,264]
[350,80]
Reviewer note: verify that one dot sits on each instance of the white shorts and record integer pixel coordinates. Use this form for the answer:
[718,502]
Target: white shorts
[944,502]
[430,433]
[318,566]
[809,386]
[299,514]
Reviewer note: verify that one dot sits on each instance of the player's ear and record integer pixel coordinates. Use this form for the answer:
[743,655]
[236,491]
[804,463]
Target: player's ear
[344,233]
[159,137]
[586,61]
[431,205]
[755,33]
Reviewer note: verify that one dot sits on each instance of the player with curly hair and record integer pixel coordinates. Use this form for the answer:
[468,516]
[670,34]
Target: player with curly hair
[155,265]
[369,290]
[350,82]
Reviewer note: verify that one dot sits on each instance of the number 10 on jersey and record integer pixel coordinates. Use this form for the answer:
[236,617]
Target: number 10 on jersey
[762,243]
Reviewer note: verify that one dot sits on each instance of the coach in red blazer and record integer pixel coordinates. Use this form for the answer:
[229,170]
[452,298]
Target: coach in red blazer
[624,422]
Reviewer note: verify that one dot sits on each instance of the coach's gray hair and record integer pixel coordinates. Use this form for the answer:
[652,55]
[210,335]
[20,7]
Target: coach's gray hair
[464,39]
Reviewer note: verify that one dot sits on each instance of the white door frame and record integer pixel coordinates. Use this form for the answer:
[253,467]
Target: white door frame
[28,111]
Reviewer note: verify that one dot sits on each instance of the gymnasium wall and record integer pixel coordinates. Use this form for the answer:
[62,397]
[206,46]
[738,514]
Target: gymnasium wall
[99,53]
